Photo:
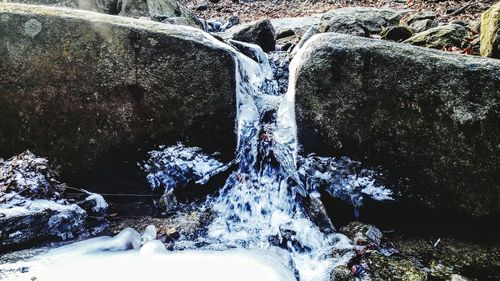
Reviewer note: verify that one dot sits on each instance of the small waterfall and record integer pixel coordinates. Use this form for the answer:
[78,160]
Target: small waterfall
[259,206]
[267,216]
[262,203]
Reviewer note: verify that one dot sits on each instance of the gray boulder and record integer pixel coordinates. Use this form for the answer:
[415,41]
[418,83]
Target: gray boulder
[426,115]
[396,33]
[423,25]
[371,20]
[261,33]
[428,15]
[160,9]
[85,89]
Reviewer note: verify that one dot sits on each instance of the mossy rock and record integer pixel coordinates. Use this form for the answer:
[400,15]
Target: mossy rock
[342,273]
[394,269]
[451,35]
[451,256]
[490,32]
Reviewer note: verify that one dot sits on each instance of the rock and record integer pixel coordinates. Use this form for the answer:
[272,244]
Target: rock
[231,21]
[285,33]
[423,25]
[118,88]
[392,269]
[313,30]
[126,8]
[451,35]
[32,207]
[452,256]
[261,33]
[346,25]
[459,22]
[30,176]
[177,21]
[371,20]
[396,33]
[421,16]
[317,213]
[298,25]
[362,233]
[214,26]
[203,6]
[26,221]
[490,32]
[286,43]
[96,208]
[342,273]
[426,115]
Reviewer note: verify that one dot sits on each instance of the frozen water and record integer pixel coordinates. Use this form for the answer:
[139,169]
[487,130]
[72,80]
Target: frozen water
[342,178]
[113,258]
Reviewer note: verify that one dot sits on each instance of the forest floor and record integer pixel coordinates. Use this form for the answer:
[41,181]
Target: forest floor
[247,11]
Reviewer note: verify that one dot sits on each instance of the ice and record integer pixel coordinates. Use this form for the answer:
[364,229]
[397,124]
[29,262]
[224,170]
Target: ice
[100,259]
[342,178]
[149,234]
[100,204]
[178,165]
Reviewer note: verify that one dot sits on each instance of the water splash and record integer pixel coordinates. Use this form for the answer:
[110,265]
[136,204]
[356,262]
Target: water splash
[262,203]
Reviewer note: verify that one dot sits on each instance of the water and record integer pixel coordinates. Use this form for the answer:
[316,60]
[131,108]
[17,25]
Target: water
[261,205]
[263,227]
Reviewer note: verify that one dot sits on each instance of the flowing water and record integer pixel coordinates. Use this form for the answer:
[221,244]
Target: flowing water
[262,213]
[261,205]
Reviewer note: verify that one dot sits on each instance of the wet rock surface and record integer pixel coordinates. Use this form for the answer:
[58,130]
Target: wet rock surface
[362,233]
[389,268]
[358,97]
[449,257]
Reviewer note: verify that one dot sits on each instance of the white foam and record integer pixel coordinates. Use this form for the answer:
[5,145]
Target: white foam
[101,259]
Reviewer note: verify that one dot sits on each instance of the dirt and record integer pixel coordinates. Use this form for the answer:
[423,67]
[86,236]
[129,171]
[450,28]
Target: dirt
[249,11]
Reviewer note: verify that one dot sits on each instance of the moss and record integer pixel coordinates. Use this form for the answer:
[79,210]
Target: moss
[490,32]
[394,269]
[439,37]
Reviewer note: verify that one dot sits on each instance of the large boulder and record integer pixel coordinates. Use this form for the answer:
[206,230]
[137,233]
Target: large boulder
[157,9]
[490,32]
[426,115]
[86,89]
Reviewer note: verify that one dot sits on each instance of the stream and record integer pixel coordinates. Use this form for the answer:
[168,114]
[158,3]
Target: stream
[268,220]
